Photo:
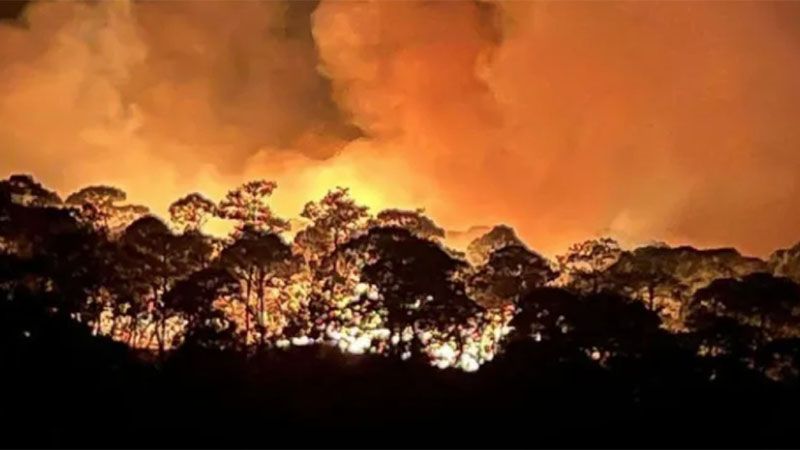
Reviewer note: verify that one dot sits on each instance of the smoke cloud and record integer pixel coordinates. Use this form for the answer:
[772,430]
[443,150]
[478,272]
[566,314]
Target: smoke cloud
[647,121]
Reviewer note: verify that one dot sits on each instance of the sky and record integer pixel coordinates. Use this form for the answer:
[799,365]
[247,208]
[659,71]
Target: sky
[647,121]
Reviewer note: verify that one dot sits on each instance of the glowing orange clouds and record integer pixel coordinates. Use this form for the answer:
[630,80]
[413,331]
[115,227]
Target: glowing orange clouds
[645,120]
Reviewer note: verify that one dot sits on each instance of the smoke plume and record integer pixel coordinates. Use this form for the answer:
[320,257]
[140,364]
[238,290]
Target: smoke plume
[669,121]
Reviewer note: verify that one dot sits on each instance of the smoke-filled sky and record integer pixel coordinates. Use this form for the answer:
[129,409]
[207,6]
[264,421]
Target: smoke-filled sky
[673,120]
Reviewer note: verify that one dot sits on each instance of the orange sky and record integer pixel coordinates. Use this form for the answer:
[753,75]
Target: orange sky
[648,121]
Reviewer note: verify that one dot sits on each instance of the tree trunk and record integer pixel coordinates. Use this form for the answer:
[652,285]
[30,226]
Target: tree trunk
[260,293]
[460,342]
[248,287]
[157,325]
[113,330]
[132,332]
[163,333]
[153,335]
[335,249]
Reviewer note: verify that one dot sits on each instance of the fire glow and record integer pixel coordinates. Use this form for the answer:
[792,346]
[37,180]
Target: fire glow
[672,121]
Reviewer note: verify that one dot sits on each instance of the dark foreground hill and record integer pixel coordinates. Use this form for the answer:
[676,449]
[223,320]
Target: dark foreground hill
[62,387]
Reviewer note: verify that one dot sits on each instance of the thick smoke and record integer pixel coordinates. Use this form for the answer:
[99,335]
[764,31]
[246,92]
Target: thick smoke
[163,97]
[644,120]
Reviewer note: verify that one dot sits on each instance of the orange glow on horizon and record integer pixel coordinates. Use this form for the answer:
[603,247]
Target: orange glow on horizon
[667,121]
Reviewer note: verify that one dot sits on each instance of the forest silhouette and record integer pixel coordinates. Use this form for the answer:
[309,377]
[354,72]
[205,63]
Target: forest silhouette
[121,328]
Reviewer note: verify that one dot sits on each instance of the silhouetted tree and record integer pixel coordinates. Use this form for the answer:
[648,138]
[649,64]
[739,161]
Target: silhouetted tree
[262,263]
[545,313]
[615,325]
[335,219]
[24,190]
[60,257]
[191,212]
[155,260]
[604,326]
[509,273]
[81,266]
[498,237]
[780,359]
[24,229]
[194,297]
[248,206]
[415,279]
[772,304]
[667,277]
[100,207]
[585,263]
[643,276]
[414,221]
[786,263]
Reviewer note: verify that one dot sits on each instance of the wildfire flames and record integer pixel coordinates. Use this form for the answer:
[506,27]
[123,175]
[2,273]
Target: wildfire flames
[366,335]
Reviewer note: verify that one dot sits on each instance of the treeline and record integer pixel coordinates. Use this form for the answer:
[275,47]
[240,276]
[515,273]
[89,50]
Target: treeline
[117,327]
[384,284]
